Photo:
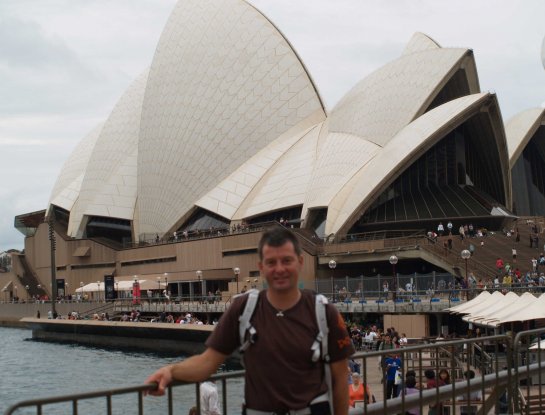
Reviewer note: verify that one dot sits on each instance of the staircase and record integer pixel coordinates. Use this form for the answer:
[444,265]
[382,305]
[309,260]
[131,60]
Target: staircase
[534,404]
[488,249]
[29,278]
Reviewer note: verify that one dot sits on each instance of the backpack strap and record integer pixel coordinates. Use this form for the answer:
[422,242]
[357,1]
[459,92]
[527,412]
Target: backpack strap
[320,345]
[246,331]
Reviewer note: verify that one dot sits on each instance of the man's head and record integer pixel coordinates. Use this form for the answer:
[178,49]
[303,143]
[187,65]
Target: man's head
[277,237]
[280,259]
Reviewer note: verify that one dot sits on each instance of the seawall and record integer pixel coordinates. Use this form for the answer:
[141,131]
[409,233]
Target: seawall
[156,337]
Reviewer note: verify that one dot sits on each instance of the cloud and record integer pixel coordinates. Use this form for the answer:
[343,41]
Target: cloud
[65,63]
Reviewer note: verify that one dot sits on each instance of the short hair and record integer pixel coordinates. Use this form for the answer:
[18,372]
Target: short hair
[410,382]
[410,373]
[469,374]
[277,237]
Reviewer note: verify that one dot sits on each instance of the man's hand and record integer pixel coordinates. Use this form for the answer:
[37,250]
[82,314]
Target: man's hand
[162,377]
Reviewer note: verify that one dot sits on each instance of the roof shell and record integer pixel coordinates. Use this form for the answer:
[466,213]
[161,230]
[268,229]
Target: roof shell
[68,185]
[419,42]
[380,105]
[108,188]
[406,147]
[520,129]
[224,83]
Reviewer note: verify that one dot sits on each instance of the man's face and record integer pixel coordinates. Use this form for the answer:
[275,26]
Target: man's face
[281,266]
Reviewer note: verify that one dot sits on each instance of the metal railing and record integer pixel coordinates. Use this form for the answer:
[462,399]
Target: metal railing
[508,381]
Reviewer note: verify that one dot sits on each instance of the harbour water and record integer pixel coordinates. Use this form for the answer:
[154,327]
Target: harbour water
[32,369]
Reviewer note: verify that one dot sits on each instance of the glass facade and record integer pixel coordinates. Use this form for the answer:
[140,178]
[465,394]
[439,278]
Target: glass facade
[459,177]
[528,178]
[203,220]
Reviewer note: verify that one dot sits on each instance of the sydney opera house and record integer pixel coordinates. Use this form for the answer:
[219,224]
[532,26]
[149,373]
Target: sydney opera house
[226,133]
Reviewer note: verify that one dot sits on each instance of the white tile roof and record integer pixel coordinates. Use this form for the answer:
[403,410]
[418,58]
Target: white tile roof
[520,129]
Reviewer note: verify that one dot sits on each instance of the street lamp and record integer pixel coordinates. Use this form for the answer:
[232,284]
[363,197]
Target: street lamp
[117,289]
[393,260]
[136,291]
[332,265]
[159,285]
[27,287]
[15,289]
[166,283]
[236,270]
[465,256]
[66,291]
[98,291]
[199,277]
[81,293]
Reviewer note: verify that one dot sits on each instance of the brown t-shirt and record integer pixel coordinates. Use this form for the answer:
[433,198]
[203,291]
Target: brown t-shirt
[280,374]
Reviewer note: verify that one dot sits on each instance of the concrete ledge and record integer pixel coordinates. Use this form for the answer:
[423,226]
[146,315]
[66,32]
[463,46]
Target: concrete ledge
[157,337]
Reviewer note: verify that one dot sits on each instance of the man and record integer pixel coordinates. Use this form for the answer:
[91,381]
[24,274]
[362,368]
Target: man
[209,399]
[280,375]
[393,364]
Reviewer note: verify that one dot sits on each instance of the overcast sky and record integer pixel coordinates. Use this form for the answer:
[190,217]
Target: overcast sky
[65,63]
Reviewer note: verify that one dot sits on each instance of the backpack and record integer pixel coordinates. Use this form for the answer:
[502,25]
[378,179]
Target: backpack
[247,334]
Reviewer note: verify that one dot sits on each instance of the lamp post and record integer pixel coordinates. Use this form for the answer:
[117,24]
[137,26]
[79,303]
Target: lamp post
[332,265]
[116,289]
[27,287]
[393,260]
[166,283]
[98,290]
[15,297]
[81,293]
[159,285]
[465,256]
[236,270]
[198,273]
[66,289]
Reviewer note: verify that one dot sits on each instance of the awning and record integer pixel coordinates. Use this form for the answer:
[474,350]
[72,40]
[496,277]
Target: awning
[461,307]
[538,345]
[8,287]
[82,251]
[482,305]
[488,310]
[123,286]
[525,300]
[535,311]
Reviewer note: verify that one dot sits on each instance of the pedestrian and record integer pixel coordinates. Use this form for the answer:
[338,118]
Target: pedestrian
[209,399]
[279,377]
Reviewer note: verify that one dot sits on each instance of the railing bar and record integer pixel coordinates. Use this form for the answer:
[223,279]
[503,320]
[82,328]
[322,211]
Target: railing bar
[75,407]
[140,403]
[109,404]
[198,396]
[169,399]
[224,395]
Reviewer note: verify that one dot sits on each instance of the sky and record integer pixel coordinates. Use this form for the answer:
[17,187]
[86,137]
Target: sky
[65,63]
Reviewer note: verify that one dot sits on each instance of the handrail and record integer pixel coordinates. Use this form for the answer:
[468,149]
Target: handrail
[523,403]
[499,380]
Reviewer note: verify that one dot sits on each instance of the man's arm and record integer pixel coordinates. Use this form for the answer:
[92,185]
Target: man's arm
[339,378]
[195,369]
